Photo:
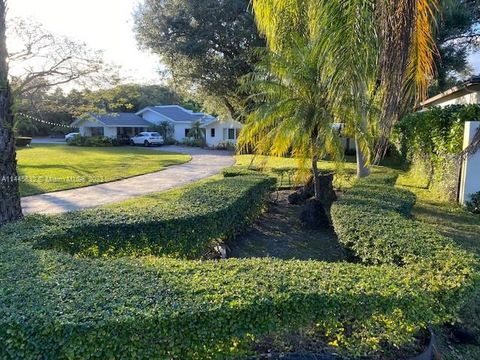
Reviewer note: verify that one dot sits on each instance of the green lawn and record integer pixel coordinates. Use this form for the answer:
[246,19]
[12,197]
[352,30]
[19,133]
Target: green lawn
[285,168]
[46,168]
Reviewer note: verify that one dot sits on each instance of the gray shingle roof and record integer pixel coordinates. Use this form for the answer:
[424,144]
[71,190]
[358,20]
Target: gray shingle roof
[121,119]
[177,113]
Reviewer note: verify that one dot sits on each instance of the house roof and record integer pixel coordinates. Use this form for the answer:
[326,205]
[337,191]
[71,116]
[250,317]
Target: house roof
[213,120]
[468,86]
[177,113]
[118,119]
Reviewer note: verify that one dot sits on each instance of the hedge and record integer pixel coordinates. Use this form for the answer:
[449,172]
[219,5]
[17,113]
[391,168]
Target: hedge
[185,224]
[373,220]
[431,141]
[57,306]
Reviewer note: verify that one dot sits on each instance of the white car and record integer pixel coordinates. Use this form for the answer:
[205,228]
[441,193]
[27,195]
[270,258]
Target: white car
[147,139]
[71,136]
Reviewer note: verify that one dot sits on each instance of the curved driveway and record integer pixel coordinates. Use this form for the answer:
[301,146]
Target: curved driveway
[204,163]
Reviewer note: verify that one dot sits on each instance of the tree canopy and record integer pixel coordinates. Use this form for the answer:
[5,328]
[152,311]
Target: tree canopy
[458,35]
[205,44]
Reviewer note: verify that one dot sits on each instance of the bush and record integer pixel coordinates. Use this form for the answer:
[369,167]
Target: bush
[373,220]
[194,142]
[431,142]
[22,141]
[185,223]
[235,171]
[94,141]
[226,145]
[56,306]
[474,204]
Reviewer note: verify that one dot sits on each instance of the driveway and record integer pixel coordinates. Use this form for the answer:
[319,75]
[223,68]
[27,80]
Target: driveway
[204,163]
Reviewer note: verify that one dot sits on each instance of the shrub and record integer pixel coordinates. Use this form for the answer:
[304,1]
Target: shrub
[431,141]
[94,141]
[474,204]
[22,141]
[226,145]
[373,220]
[185,223]
[193,142]
[235,171]
[56,306]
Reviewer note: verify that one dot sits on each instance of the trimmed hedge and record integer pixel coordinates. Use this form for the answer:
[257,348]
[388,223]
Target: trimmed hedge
[55,306]
[373,220]
[186,223]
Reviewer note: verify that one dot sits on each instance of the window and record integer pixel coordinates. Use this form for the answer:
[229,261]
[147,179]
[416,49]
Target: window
[212,132]
[186,132]
[97,131]
[231,134]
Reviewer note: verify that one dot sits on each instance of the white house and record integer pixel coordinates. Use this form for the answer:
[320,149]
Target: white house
[116,125]
[466,93]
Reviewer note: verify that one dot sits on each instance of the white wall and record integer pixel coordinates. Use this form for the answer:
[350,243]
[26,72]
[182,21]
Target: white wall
[179,130]
[110,132]
[470,180]
[472,98]
[219,127]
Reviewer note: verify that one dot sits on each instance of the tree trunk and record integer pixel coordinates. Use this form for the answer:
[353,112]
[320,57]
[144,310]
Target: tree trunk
[316,177]
[362,168]
[10,208]
[230,108]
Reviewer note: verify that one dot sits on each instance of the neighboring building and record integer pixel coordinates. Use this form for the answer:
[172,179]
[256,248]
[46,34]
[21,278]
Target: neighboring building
[466,93]
[115,125]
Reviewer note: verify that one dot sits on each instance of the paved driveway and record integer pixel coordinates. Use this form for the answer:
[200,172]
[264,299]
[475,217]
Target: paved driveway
[204,163]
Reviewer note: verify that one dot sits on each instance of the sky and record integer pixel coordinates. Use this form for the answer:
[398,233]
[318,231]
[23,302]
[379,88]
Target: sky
[102,24]
[106,25]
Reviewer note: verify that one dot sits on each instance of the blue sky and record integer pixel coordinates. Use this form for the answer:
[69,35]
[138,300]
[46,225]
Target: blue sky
[102,24]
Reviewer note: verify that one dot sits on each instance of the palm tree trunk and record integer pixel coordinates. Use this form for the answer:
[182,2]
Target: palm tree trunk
[362,169]
[316,177]
[10,208]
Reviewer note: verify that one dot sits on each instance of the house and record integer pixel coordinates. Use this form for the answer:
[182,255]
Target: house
[467,92]
[114,125]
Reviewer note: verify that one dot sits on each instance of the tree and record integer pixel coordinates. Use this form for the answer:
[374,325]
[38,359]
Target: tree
[205,44]
[294,115]
[41,60]
[196,132]
[458,35]
[166,129]
[391,40]
[10,207]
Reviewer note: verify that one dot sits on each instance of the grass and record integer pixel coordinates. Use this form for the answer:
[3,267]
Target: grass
[48,167]
[285,168]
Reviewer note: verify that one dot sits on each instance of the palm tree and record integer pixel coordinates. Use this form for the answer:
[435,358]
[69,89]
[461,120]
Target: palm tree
[380,52]
[196,131]
[10,209]
[293,115]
